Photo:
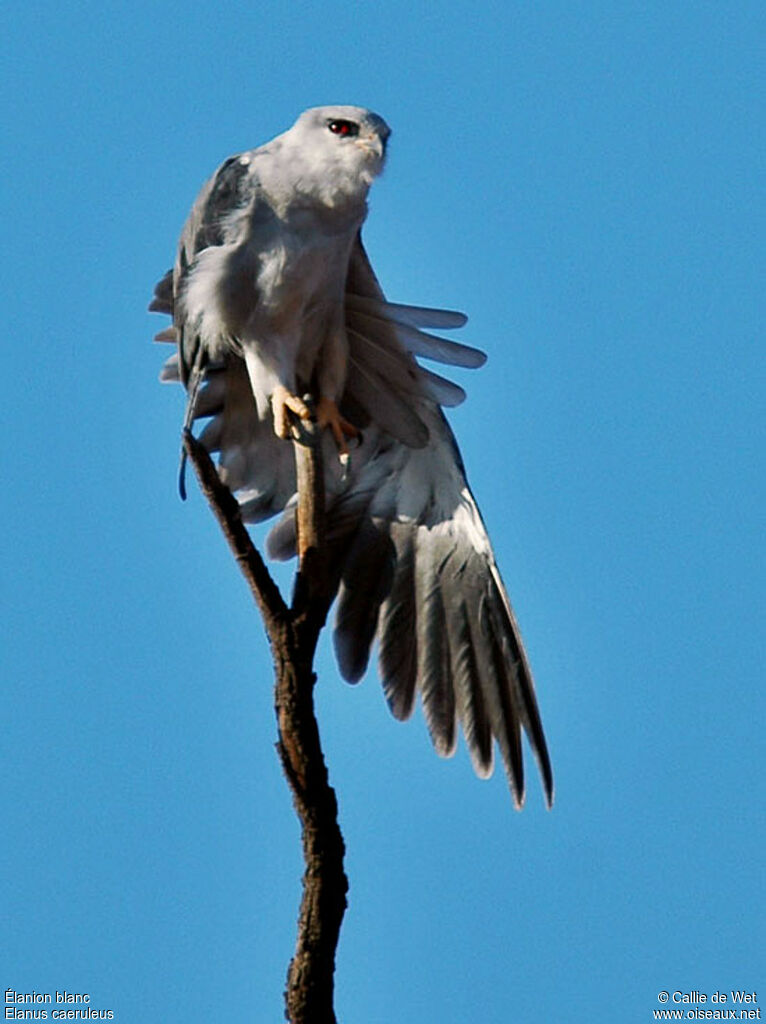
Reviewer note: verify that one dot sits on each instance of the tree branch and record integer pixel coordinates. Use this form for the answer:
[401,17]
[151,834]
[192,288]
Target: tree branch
[226,510]
[293,634]
[310,595]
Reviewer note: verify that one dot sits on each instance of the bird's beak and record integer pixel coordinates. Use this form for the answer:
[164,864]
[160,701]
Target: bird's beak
[373,144]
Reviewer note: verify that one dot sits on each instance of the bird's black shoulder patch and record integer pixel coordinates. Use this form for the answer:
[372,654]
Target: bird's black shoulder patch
[227,192]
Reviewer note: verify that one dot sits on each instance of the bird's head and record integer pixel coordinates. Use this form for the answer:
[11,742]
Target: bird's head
[344,146]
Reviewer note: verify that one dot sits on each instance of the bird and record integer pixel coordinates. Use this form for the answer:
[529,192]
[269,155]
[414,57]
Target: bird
[273,297]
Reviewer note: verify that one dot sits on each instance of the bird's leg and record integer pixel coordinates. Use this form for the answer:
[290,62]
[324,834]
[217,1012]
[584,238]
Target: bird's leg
[283,402]
[272,381]
[331,379]
[328,415]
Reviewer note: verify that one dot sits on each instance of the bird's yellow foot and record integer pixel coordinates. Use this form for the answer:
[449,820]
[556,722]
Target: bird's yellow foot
[328,415]
[283,403]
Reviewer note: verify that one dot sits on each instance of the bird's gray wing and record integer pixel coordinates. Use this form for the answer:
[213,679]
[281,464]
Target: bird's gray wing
[251,460]
[412,563]
[384,378]
[419,575]
[229,189]
[414,566]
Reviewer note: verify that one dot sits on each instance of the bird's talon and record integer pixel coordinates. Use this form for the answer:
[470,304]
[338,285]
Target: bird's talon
[283,402]
[328,415]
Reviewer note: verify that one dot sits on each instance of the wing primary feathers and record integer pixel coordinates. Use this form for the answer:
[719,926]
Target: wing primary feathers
[392,412]
[505,719]
[429,346]
[395,367]
[520,679]
[365,581]
[434,675]
[377,347]
[471,708]
[413,316]
[441,390]
[397,648]
[171,370]
[440,350]
[163,294]
[170,334]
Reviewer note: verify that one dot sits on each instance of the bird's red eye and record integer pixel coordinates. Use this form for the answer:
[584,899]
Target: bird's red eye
[343,127]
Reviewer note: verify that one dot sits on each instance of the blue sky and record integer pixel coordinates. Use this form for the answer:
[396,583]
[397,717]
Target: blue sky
[586,182]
